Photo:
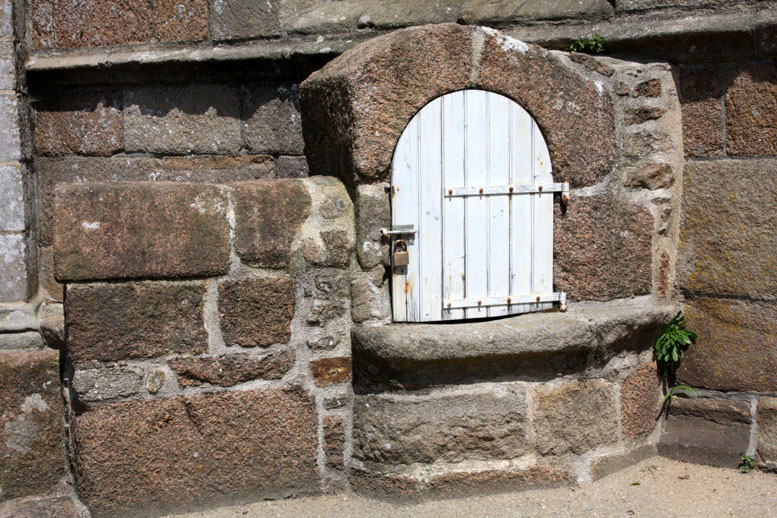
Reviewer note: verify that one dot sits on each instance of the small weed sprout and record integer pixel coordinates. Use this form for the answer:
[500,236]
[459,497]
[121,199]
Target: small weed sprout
[746,464]
[671,345]
[594,45]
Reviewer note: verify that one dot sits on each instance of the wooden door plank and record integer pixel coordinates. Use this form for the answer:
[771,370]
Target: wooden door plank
[521,213]
[404,211]
[543,220]
[498,206]
[429,236]
[454,236]
[476,174]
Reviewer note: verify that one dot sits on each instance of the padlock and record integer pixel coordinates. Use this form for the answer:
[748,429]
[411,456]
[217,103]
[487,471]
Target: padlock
[400,255]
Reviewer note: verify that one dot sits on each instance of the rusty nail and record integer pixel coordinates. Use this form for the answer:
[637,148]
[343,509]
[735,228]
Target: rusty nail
[511,188]
[538,298]
[481,190]
[480,302]
[449,304]
[564,199]
[539,188]
[450,192]
[509,300]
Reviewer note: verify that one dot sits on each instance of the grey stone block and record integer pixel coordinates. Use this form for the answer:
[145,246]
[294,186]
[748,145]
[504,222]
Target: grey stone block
[10,140]
[478,422]
[182,119]
[291,167]
[13,272]
[7,66]
[11,198]
[238,19]
[26,340]
[92,385]
[707,431]
[272,119]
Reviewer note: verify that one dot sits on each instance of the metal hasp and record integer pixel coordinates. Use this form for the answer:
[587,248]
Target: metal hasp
[397,230]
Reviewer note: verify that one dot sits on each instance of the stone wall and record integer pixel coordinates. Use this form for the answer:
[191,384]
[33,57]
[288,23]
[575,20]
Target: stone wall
[195,102]
[207,338]
[726,255]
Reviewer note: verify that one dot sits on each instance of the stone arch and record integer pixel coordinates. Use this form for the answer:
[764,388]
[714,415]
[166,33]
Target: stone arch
[355,108]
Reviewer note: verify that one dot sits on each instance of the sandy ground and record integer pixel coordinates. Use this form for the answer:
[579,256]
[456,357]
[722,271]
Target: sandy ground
[657,487]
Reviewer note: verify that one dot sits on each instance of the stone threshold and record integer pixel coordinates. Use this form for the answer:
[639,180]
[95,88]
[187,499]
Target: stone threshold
[532,346]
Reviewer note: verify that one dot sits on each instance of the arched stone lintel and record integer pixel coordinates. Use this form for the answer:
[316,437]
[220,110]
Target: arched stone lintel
[355,108]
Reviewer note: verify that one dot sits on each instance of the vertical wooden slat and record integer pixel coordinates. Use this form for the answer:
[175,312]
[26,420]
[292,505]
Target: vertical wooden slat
[499,209]
[476,171]
[543,220]
[430,212]
[404,211]
[521,213]
[454,237]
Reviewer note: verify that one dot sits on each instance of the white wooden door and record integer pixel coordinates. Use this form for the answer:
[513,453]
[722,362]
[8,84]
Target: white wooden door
[472,197]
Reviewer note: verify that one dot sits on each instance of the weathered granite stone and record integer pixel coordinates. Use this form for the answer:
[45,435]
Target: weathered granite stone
[153,230]
[457,484]
[373,213]
[326,343]
[649,88]
[331,298]
[339,246]
[12,177]
[706,431]
[330,371]
[41,15]
[383,485]
[98,24]
[155,380]
[268,215]
[238,19]
[639,402]
[226,371]
[23,340]
[561,9]
[162,455]
[336,401]
[180,20]
[571,111]
[12,146]
[256,312]
[404,13]
[93,385]
[652,176]
[40,507]
[368,299]
[735,349]
[609,464]
[13,274]
[700,92]
[602,249]
[726,244]
[55,289]
[751,111]
[484,422]
[31,427]
[217,168]
[181,169]
[575,417]
[334,440]
[291,167]
[111,322]
[272,122]
[643,114]
[642,143]
[356,109]
[663,275]
[766,437]
[479,11]
[84,122]
[197,118]
[594,64]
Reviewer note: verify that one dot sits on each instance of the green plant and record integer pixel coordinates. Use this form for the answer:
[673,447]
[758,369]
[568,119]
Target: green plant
[670,394]
[746,463]
[594,45]
[671,345]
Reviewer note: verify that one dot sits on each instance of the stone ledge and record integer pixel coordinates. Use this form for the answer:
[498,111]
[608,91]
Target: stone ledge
[585,326]
[531,346]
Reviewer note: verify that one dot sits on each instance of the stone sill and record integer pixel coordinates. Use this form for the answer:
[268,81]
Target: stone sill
[622,33]
[534,345]
[586,325]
